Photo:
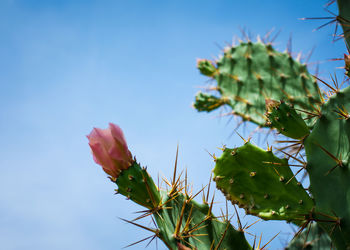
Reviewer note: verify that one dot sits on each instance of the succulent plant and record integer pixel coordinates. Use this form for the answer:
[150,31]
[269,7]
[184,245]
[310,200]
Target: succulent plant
[250,74]
[317,124]
[181,221]
[270,89]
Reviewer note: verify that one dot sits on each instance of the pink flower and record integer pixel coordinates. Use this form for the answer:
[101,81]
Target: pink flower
[110,150]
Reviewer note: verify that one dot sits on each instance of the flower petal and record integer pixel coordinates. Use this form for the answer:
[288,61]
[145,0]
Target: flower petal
[101,157]
[110,149]
[118,135]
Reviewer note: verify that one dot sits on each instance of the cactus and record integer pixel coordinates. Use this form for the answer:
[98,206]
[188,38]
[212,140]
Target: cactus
[181,222]
[318,126]
[179,218]
[249,74]
[262,184]
[270,89]
[327,149]
[286,120]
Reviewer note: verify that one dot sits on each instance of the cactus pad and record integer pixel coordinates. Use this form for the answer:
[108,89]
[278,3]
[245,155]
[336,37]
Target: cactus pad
[137,185]
[250,73]
[328,153]
[286,120]
[261,183]
[193,225]
[180,219]
[205,102]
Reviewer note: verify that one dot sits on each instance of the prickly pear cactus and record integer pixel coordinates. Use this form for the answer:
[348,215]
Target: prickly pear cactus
[328,153]
[270,89]
[181,222]
[286,120]
[179,218]
[250,74]
[262,184]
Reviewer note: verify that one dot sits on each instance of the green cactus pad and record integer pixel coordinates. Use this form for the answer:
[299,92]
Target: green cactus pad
[212,233]
[136,184]
[206,67]
[179,218]
[250,73]
[261,183]
[205,102]
[328,153]
[286,120]
[312,238]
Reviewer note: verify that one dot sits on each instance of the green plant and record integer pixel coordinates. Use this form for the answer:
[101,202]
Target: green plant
[181,222]
[270,89]
[315,123]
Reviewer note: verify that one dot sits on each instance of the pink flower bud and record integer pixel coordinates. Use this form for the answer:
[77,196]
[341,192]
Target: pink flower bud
[110,150]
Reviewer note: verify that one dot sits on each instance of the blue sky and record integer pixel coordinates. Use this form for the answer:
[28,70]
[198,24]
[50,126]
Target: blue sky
[69,66]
